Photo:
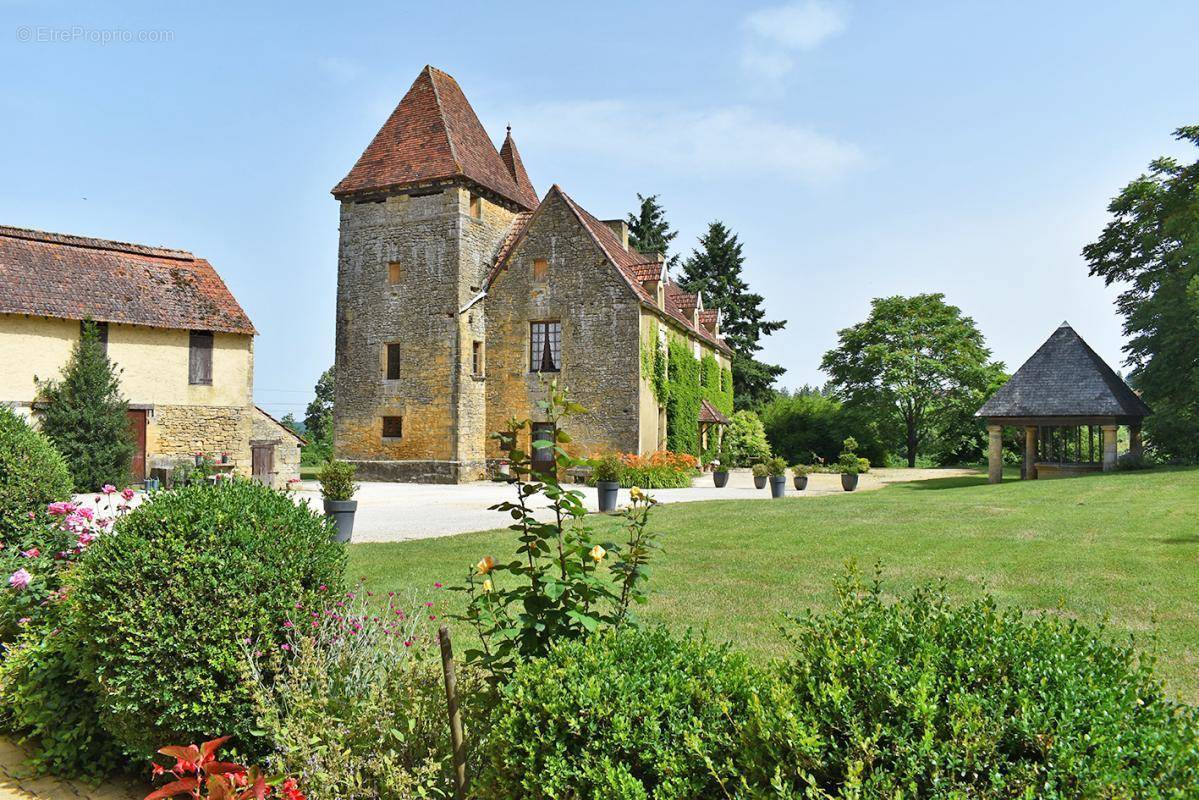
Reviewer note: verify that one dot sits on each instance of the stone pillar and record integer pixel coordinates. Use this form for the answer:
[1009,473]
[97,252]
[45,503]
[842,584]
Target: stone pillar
[995,454]
[1030,452]
[1135,447]
[1109,447]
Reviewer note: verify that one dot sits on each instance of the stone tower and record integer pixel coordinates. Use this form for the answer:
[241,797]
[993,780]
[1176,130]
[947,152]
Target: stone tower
[423,213]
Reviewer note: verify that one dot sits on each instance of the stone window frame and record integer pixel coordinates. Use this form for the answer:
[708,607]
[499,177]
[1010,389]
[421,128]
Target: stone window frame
[388,363]
[396,423]
[539,332]
[478,359]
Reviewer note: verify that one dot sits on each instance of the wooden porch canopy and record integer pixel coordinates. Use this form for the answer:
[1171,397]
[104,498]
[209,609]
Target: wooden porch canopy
[1062,389]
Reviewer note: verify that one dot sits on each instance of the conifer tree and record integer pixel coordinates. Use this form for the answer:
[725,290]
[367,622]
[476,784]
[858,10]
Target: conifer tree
[85,416]
[649,232]
[714,268]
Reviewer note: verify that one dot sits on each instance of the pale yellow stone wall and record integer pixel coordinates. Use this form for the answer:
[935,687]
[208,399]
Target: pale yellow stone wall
[181,418]
[265,430]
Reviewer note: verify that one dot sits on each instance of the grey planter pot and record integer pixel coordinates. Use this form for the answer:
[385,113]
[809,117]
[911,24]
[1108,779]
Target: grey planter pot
[778,485]
[341,514]
[608,492]
[759,482]
[720,478]
[849,482]
[801,482]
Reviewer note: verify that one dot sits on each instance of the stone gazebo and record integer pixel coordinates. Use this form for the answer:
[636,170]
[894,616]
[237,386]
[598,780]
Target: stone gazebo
[1071,406]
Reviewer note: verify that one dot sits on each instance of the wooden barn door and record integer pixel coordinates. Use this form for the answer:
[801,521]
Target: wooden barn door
[137,429]
[263,463]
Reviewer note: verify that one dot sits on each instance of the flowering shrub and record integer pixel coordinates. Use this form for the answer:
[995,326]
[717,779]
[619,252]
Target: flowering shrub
[159,606]
[557,587]
[660,470]
[196,773]
[358,708]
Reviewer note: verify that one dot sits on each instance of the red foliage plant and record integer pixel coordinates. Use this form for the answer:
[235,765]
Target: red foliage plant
[198,774]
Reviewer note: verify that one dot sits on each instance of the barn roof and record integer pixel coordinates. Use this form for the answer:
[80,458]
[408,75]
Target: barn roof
[1065,378]
[75,277]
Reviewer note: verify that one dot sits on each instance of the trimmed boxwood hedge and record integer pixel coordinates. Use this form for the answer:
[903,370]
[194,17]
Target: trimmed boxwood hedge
[162,609]
[32,473]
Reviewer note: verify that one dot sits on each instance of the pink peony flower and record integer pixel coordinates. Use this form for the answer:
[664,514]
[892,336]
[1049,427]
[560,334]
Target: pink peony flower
[61,509]
[86,513]
[127,494]
[108,488]
[19,580]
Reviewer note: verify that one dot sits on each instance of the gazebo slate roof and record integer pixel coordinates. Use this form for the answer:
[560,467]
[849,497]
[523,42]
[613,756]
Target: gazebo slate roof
[1065,378]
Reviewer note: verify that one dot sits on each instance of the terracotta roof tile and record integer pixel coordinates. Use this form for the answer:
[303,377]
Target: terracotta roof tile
[709,317]
[649,271]
[73,277]
[433,134]
[709,413]
[516,168]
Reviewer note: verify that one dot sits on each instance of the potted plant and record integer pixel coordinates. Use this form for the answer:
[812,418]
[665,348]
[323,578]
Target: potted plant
[849,468]
[799,474]
[778,477]
[338,490]
[607,481]
[720,470]
[199,459]
[761,472]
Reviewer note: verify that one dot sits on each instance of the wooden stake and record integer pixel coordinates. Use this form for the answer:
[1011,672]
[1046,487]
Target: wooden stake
[451,697]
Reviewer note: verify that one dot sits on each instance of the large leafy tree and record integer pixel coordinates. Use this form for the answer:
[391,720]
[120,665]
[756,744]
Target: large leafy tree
[1151,247]
[915,362]
[649,232]
[714,268]
[318,416]
[86,418]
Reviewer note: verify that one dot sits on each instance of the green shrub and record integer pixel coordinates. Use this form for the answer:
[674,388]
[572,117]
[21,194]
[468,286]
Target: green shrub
[849,464]
[776,466]
[48,708]
[32,474]
[745,440]
[160,607]
[921,698]
[624,714]
[606,468]
[760,470]
[799,470]
[358,711]
[863,465]
[337,480]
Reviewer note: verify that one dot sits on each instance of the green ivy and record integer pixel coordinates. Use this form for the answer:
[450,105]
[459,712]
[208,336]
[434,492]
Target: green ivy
[680,381]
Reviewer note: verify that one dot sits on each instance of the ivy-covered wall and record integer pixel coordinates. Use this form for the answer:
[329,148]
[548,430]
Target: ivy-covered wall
[680,381]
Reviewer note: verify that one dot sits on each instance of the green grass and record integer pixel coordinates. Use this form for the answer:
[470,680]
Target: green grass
[1121,548]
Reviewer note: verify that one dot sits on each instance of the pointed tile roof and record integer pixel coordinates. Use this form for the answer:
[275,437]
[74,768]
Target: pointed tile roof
[433,134]
[1065,378]
[75,277]
[516,168]
[711,414]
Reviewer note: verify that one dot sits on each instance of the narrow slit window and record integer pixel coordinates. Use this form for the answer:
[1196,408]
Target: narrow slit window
[476,206]
[476,363]
[392,359]
[545,346]
[541,269]
[393,427]
[199,358]
[394,272]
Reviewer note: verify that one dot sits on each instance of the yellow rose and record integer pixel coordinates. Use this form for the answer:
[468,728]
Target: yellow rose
[486,564]
[487,586]
[598,553]
[636,493]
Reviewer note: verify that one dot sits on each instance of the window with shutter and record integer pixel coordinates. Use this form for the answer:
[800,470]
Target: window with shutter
[199,358]
[392,369]
[393,427]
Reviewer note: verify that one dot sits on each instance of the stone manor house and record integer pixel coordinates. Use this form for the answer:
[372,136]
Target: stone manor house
[459,294]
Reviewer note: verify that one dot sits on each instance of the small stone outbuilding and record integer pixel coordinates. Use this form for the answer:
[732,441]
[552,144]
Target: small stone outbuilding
[1071,405]
[274,450]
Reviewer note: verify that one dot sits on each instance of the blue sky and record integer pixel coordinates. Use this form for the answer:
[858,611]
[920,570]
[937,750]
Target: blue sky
[859,149]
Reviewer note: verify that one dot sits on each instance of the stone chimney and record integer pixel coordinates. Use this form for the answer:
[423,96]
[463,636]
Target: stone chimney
[621,229]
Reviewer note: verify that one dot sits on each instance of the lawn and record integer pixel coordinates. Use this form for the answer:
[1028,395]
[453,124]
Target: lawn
[1121,548]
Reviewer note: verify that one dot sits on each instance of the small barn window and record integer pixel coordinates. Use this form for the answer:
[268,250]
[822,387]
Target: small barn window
[477,359]
[394,273]
[199,358]
[545,346]
[101,329]
[476,206]
[541,269]
[392,358]
[393,427]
